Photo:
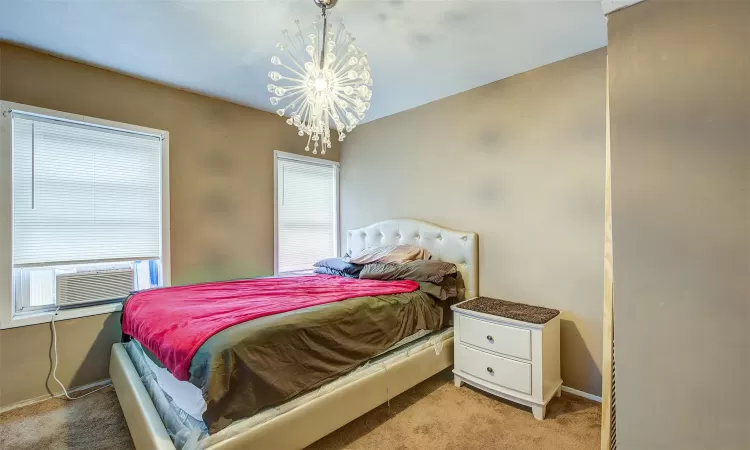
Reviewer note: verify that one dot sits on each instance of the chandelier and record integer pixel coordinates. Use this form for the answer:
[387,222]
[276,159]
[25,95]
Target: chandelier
[322,81]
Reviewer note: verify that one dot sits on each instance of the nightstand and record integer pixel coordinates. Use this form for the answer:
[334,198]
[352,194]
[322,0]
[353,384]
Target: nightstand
[508,349]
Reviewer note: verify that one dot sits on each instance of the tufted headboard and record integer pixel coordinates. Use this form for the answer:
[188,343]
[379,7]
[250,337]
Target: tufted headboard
[457,247]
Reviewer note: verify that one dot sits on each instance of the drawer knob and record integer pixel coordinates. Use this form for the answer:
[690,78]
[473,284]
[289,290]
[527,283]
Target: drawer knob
[490,338]
[489,369]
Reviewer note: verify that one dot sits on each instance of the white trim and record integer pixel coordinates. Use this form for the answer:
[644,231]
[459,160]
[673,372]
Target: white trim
[6,216]
[8,107]
[8,317]
[275,212]
[586,395]
[336,206]
[308,159]
[59,118]
[22,320]
[166,227]
[43,398]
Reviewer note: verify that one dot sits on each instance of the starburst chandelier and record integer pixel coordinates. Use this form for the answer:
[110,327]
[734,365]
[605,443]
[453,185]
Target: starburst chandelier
[325,82]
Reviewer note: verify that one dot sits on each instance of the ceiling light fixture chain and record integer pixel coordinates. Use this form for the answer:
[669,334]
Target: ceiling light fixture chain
[327,82]
[325,27]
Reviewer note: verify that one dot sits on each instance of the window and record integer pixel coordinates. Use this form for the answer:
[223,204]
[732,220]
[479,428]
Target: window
[86,211]
[307,202]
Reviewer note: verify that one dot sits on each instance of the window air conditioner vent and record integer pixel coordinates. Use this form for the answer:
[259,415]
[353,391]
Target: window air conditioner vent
[93,286]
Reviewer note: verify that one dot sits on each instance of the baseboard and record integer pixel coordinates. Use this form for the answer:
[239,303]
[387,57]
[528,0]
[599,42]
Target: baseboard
[56,395]
[570,390]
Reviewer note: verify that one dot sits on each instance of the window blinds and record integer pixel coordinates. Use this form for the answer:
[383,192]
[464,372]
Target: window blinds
[83,193]
[306,213]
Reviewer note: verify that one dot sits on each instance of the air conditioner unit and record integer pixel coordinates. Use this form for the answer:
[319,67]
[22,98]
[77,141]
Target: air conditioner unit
[95,286]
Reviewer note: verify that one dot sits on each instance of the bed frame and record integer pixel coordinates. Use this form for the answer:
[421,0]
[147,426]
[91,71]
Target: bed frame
[322,415]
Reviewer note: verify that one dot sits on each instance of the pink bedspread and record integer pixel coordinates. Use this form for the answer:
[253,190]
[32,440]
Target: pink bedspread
[174,322]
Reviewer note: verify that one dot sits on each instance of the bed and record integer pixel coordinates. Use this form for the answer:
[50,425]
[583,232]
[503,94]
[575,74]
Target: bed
[331,406]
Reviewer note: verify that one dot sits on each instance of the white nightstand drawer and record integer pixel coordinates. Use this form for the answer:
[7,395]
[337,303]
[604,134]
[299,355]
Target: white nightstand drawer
[497,370]
[497,338]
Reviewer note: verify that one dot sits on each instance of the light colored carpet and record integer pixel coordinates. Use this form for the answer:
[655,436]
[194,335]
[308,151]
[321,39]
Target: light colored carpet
[437,415]
[94,422]
[434,414]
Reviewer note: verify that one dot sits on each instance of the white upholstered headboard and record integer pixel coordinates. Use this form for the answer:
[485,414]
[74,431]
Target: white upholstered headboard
[457,247]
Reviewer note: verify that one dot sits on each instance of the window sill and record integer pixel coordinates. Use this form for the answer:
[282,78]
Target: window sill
[294,273]
[22,320]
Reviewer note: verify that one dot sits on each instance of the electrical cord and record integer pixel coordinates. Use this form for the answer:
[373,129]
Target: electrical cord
[54,367]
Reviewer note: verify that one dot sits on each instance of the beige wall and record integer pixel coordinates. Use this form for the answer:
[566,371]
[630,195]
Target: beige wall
[680,145]
[221,186]
[520,162]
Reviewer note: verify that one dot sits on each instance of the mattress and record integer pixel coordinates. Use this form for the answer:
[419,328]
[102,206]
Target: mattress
[180,404]
[270,360]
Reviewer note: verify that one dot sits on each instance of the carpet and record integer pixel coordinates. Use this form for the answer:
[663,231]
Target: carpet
[434,414]
[94,422]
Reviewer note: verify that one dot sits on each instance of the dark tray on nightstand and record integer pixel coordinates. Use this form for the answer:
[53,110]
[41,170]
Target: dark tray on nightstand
[510,310]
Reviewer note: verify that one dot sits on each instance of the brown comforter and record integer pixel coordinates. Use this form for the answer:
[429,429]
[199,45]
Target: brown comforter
[267,361]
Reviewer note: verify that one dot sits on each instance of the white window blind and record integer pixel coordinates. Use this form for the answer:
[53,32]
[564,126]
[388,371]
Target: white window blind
[83,193]
[306,213]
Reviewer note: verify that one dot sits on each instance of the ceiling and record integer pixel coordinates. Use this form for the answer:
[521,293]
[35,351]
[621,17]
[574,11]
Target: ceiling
[419,50]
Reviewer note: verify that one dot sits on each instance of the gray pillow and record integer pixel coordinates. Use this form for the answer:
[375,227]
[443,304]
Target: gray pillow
[445,290]
[329,271]
[340,265]
[421,270]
